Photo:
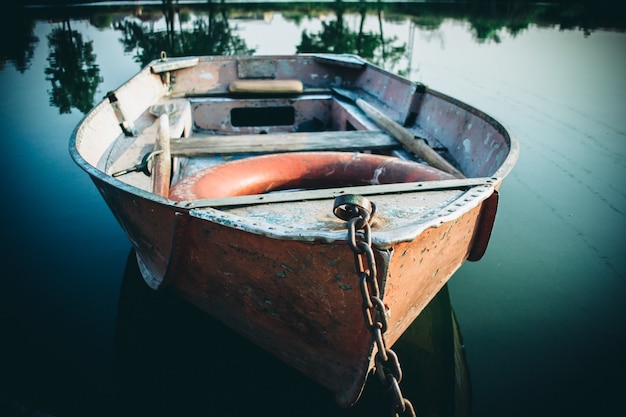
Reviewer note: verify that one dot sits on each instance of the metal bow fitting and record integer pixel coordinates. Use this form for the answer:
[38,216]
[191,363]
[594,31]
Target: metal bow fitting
[143,166]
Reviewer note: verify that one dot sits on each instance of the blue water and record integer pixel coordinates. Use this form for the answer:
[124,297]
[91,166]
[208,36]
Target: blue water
[542,315]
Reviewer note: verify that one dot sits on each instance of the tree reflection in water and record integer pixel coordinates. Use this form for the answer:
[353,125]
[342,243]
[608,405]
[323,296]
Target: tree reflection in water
[20,49]
[336,37]
[207,29]
[72,70]
[210,34]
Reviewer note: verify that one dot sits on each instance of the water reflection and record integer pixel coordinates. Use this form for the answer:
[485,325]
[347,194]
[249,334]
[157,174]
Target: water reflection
[211,29]
[172,359]
[20,49]
[337,37]
[72,70]
[210,33]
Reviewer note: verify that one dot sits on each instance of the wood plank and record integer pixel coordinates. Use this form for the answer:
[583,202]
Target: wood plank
[282,142]
[162,160]
[327,193]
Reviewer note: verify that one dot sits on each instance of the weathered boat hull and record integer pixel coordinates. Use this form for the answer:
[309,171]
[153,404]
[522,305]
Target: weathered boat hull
[282,273]
[299,300]
[323,308]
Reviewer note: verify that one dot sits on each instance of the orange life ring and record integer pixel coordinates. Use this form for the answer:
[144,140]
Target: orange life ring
[300,170]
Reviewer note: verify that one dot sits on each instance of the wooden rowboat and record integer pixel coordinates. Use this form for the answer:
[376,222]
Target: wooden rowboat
[259,165]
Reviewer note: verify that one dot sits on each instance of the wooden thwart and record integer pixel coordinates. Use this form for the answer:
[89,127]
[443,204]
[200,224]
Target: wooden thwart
[282,142]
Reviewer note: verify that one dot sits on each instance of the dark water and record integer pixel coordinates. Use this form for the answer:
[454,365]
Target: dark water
[542,316]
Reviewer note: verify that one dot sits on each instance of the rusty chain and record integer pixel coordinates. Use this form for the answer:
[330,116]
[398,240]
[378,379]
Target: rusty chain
[359,212]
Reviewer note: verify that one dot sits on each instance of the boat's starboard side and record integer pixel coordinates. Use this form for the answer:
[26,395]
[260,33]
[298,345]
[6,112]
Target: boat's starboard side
[480,144]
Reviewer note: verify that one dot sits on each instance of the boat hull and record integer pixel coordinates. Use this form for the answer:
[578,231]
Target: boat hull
[299,300]
[283,274]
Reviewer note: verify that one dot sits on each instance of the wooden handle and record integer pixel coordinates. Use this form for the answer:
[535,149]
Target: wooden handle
[266,86]
[162,162]
[406,138]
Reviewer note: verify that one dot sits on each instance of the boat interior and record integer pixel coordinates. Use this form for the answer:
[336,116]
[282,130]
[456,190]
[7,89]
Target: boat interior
[205,131]
[209,116]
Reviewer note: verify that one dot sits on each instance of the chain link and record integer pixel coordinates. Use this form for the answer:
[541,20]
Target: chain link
[359,212]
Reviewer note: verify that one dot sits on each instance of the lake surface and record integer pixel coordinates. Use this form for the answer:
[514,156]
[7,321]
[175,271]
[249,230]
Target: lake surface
[542,315]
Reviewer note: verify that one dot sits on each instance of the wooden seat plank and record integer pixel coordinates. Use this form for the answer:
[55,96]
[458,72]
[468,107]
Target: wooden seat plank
[198,145]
